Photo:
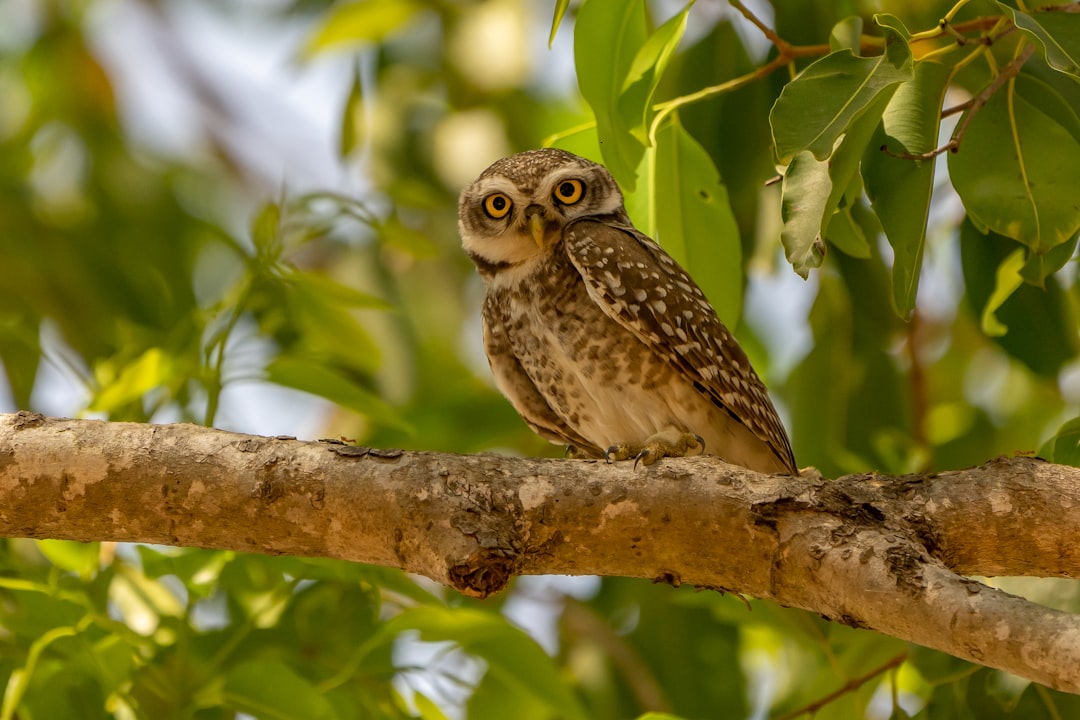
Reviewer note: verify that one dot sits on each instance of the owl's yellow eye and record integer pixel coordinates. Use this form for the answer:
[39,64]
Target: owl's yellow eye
[569,192]
[497,205]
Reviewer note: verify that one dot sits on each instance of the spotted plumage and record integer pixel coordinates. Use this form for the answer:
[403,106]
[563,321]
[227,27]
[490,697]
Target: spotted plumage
[595,334]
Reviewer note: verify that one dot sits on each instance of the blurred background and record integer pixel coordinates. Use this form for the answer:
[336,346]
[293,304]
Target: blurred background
[243,214]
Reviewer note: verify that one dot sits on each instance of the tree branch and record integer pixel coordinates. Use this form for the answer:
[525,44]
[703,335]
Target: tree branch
[874,551]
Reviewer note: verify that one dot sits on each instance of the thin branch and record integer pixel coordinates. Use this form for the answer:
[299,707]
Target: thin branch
[850,686]
[584,623]
[917,383]
[781,44]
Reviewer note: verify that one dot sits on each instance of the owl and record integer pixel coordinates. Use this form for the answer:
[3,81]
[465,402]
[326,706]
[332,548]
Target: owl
[597,337]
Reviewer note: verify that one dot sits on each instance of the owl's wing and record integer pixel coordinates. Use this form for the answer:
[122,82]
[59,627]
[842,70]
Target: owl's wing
[519,389]
[642,288]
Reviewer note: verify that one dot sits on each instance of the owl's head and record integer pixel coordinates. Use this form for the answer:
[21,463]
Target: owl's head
[515,212]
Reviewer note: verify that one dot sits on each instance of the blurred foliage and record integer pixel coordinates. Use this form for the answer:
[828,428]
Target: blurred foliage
[940,317]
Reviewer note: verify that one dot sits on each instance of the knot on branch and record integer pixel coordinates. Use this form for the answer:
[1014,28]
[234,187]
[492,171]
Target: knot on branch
[484,573]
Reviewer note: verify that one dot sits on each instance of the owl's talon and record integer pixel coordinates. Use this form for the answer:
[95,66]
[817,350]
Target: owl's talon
[648,456]
[662,445]
[621,451]
[573,453]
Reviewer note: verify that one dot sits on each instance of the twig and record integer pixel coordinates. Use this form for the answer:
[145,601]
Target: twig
[852,684]
[919,409]
[584,623]
[972,106]
[781,44]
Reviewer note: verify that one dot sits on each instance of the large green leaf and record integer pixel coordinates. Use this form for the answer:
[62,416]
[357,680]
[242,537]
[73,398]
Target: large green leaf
[352,118]
[1057,32]
[20,351]
[900,189]
[319,378]
[514,659]
[1018,166]
[813,189]
[360,22]
[78,557]
[1038,267]
[817,107]
[556,19]
[805,191]
[150,370]
[694,221]
[271,690]
[1038,324]
[1067,444]
[608,35]
[635,101]
[319,309]
[1006,281]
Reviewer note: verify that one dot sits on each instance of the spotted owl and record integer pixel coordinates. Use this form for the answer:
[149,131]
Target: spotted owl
[598,338]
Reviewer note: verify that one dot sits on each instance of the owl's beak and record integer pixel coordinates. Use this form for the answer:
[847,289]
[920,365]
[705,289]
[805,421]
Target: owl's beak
[537,228]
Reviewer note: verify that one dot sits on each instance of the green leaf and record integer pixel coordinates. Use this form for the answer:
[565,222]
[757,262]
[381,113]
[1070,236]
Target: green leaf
[846,232]
[271,690]
[265,228]
[353,121]
[397,234]
[847,34]
[890,21]
[198,569]
[80,558]
[326,325]
[150,370]
[1041,321]
[1007,280]
[1067,444]
[900,189]
[20,678]
[556,19]
[607,37]
[514,659]
[694,221]
[333,291]
[845,159]
[21,353]
[426,707]
[813,189]
[365,21]
[635,101]
[1018,165]
[1058,33]
[318,378]
[817,107]
[805,191]
[1039,267]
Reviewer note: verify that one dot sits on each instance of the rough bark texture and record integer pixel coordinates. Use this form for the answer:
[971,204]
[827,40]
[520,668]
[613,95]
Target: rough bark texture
[888,553]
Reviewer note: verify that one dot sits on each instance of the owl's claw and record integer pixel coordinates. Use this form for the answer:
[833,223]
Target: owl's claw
[573,453]
[658,446]
[617,452]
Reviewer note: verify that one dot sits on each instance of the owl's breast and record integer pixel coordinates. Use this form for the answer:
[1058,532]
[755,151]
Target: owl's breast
[593,373]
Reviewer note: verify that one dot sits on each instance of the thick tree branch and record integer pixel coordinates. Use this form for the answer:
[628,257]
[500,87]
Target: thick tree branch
[888,553]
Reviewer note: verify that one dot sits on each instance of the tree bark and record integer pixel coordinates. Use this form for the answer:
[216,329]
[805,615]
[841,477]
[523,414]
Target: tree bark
[874,551]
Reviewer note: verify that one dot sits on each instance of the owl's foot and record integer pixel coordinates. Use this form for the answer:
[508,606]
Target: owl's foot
[573,453]
[661,445]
